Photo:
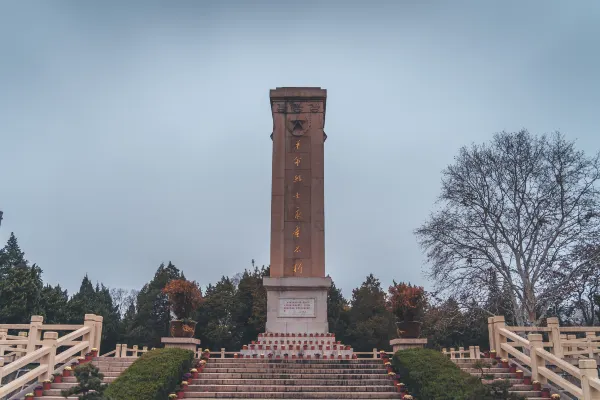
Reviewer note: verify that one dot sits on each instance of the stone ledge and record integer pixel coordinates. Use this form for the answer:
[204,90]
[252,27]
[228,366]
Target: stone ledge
[180,340]
[295,283]
[406,343]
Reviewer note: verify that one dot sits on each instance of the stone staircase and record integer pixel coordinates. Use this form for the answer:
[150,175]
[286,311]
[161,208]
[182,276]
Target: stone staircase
[255,378]
[519,388]
[110,367]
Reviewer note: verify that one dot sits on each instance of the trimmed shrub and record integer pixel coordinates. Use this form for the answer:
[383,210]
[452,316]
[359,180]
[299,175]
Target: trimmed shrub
[429,374]
[152,376]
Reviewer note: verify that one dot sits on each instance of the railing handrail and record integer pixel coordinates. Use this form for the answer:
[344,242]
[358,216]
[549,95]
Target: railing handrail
[505,342]
[46,355]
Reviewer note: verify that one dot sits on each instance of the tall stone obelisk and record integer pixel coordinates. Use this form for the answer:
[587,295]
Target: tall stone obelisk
[297,287]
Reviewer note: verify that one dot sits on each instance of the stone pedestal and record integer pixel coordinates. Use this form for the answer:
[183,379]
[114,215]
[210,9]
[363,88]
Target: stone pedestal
[403,344]
[181,343]
[297,305]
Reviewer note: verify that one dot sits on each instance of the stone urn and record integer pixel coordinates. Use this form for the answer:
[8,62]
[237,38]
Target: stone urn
[182,329]
[408,329]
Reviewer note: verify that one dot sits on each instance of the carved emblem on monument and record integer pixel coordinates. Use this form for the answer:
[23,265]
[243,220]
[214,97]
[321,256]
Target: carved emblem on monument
[298,126]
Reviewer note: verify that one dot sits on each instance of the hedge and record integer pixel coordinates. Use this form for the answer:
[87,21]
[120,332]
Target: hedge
[429,374]
[152,376]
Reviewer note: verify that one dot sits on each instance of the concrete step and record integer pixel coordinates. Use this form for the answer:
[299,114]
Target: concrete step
[293,395]
[104,364]
[295,366]
[486,370]
[295,375]
[290,361]
[295,371]
[289,382]
[295,388]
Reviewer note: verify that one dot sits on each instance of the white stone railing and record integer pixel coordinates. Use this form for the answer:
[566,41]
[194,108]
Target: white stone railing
[581,381]
[40,347]
[13,347]
[472,353]
[572,342]
[122,351]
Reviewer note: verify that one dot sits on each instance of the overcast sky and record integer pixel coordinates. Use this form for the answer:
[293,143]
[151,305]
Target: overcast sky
[134,133]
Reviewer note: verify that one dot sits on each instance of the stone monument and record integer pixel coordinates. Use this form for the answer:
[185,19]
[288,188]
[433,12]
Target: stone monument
[297,286]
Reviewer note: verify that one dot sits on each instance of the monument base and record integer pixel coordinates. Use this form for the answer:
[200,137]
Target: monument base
[181,343]
[403,344]
[297,305]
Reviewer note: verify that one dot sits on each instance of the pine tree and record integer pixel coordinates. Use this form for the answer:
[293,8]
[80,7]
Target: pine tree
[216,327]
[153,313]
[337,312]
[54,303]
[371,324]
[89,383]
[20,285]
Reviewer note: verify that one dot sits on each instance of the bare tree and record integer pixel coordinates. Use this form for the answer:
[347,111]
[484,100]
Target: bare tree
[519,205]
[123,298]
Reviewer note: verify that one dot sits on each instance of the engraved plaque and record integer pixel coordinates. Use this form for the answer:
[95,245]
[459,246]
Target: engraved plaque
[296,307]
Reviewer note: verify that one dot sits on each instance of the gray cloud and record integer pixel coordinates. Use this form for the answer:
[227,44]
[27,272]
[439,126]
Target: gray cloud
[134,133]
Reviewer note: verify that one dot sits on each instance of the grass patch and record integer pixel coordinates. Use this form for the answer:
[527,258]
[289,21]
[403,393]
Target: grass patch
[152,376]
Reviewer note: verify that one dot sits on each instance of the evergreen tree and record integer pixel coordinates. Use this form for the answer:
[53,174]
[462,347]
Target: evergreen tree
[11,255]
[153,313]
[20,285]
[54,303]
[251,305]
[216,327]
[337,312]
[89,383]
[371,324]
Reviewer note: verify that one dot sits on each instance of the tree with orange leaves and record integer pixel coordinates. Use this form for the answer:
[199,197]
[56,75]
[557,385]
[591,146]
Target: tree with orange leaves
[184,297]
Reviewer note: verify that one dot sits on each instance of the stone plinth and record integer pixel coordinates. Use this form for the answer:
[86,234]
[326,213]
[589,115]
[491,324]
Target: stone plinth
[181,343]
[403,344]
[297,305]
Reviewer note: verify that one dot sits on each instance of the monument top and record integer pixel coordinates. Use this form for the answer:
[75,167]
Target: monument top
[298,93]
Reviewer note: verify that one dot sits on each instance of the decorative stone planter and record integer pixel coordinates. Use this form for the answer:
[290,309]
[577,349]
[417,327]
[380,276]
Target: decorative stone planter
[67,372]
[545,393]
[512,369]
[38,391]
[180,394]
[46,385]
[537,386]
[180,329]
[58,378]
[526,380]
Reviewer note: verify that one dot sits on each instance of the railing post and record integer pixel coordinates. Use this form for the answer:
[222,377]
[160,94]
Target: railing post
[118,351]
[50,339]
[1,369]
[35,332]
[135,351]
[557,349]
[98,333]
[375,352]
[491,332]
[471,352]
[222,352]
[20,346]
[124,350]
[477,352]
[498,338]
[3,336]
[589,337]
[589,371]
[535,342]
[90,321]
